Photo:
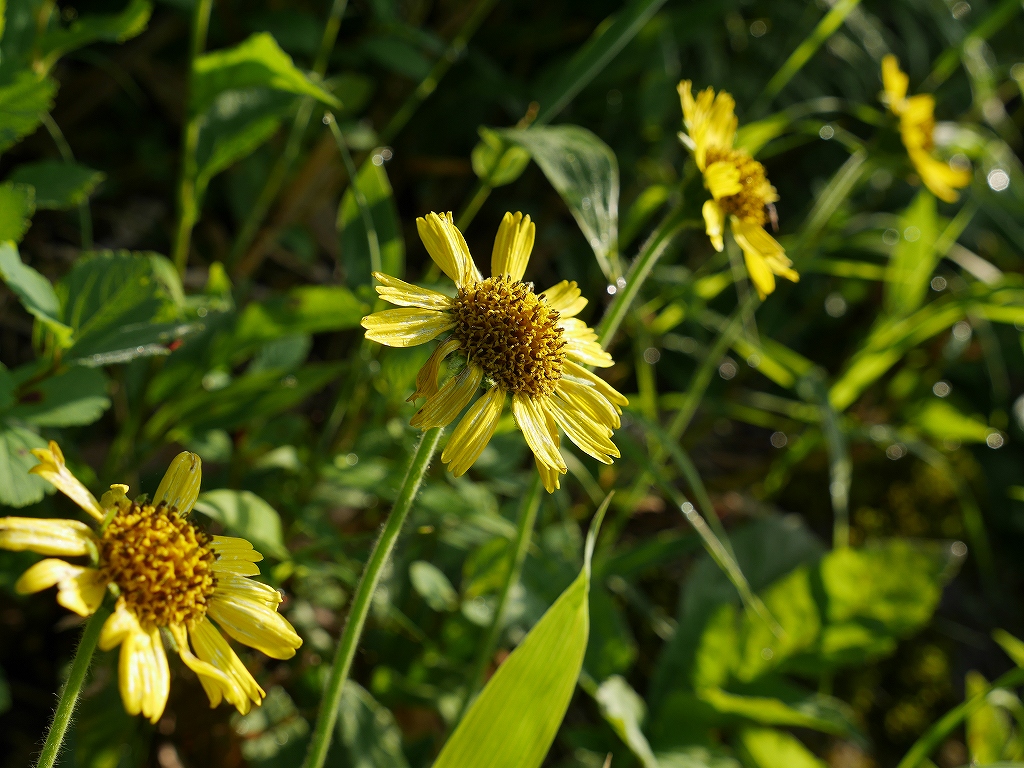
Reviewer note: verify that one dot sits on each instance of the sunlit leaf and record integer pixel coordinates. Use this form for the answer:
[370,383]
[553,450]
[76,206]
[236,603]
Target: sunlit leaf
[496,160]
[308,309]
[372,182]
[17,487]
[17,204]
[73,398]
[245,514]
[22,101]
[35,292]
[625,711]
[987,727]
[112,28]
[768,748]
[942,420]
[433,586]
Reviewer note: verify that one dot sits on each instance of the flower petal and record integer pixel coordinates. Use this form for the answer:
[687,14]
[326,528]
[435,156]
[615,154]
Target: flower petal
[722,179]
[158,679]
[447,247]
[714,223]
[239,586]
[512,246]
[426,378]
[582,344]
[217,684]
[405,294]
[474,431]
[406,327]
[51,467]
[709,119]
[143,674]
[589,400]
[565,298]
[941,179]
[895,83]
[536,423]
[549,476]
[68,538]
[586,434]
[179,487]
[441,409]
[79,589]
[763,256]
[613,395]
[234,681]
[251,622]
[118,627]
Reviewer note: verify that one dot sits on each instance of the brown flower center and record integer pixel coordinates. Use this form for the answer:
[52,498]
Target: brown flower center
[750,202]
[511,333]
[161,563]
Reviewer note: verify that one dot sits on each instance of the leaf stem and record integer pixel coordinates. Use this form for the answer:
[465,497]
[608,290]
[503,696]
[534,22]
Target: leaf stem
[349,641]
[84,212]
[372,241]
[72,688]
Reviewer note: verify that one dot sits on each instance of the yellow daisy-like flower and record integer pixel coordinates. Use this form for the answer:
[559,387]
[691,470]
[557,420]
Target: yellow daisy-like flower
[917,129]
[170,579]
[514,341]
[740,190]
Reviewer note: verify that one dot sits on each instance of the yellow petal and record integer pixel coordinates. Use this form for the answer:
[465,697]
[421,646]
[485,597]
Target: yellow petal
[426,378]
[117,497]
[549,476]
[79,589]
[235,585]
[565,298]
[231,678]
[216,683]
[134,669]
[895,83]
[441,409]
[179,487]
[120,624]
[405,294]
[714,223]
[586,434]
[447,247]
[722,179]
[47,537]
[406,327]
[763,256]
[537,426]
[613,396]
[51,467]
[157,680]
[597,407]
[474,431]
[709,119]
[582,344]
[940,179]
[234,555]
[512,246]
[254,624]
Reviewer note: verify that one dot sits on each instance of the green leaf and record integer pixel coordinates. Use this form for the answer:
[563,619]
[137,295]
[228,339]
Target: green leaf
[1013,647]
[247,515]
[625,711]
[367,731]
[433,586]
[73,398]
[514,720]
[496,161]
[21,104]
[584,171]
[17,487]
[987,727]
[17,204]
[942,420]
[372,182]
[58,185]
[110,27]
[308,309]
[35,292]
[257,62]
[768,748]
[914,257]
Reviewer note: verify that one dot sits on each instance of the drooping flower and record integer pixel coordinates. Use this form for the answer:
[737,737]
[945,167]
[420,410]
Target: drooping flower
[513,341]
[917,129]
[168,577]
[739,187]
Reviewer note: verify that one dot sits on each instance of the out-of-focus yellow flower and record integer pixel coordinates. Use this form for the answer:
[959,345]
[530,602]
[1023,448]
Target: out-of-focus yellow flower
[167,575]
[740,190]
[515,342]
[917,129]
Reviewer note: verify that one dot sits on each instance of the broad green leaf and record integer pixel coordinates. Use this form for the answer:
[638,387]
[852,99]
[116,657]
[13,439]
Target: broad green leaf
[257,62]
[73,398]
[35,292]
[58,185]
[17,204]
[768,748]
[496,161]
[584,171]
[942,420]
[17,487]
[913,258]
[987,727]
[21,103]
[309,309]
[247,515]
[283,354]
[433,586]
[111,28]
[368,735]
[372,182]
[514,720]
[625,711]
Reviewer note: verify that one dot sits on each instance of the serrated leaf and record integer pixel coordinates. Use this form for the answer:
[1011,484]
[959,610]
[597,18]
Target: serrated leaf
[368,735]
[108,27]
[58,185]
[514,720]
[308,309]
[372,182]
[257,62]
[73,398]
[247,515]
[433,586]
[21,104]
[17,487]
[34,291]
[17,204]
[584,171]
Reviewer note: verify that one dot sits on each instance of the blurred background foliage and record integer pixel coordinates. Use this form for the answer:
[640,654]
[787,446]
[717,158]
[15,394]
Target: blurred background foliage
[876,402]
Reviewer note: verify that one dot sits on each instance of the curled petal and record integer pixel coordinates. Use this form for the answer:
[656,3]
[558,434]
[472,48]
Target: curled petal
[404,294]
[67,538]
[441,409]
[255,624]
[406,327]
[565,298]
[474,432]
[143,674]
[586,434]
[220,671]
[426,378]
[709,119]
[51,467]
[79,589]
[512,246]
[179,487]
[613,396]
[549,476]
[940,178]
[763,256]
[118,626]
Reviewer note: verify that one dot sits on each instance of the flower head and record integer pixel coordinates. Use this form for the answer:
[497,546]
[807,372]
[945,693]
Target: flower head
[513,341]
[740,190]
[168,576]
[917,130]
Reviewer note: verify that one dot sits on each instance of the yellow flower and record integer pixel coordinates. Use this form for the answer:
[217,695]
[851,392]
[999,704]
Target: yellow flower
[740,190]
[917,129]
[514,342]
[168,576]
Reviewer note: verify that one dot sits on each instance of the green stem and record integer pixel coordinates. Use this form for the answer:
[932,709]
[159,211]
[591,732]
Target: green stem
[524,529]
[372,241]
[188,212]
[84,213]
[331,701]
[72,688]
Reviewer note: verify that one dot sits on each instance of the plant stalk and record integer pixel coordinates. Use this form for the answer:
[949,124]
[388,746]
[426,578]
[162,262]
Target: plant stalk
[331,702]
